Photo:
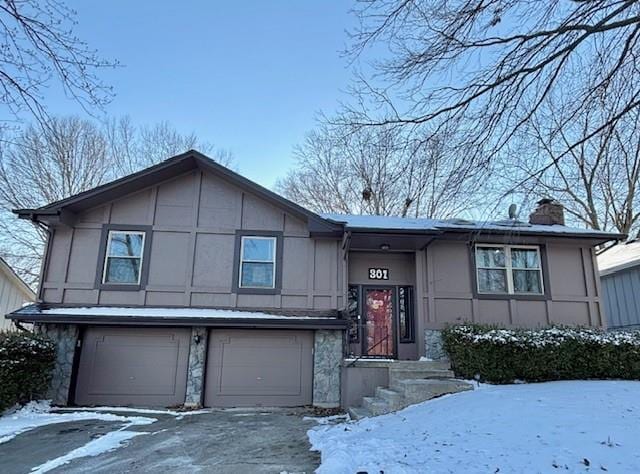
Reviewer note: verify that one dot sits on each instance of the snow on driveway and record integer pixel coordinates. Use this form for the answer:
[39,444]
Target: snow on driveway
[36,414]
[572,426]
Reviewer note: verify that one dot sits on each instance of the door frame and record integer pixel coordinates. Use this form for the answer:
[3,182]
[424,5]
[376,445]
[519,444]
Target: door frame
[394,317]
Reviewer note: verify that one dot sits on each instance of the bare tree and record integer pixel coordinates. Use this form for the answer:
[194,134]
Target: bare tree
[43,165]
[376,171]
[69,155]
[38,48]
[133,148]
[597,181]
[488,67]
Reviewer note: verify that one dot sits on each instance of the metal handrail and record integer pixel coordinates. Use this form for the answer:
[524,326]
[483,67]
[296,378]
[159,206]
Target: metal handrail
[352,363]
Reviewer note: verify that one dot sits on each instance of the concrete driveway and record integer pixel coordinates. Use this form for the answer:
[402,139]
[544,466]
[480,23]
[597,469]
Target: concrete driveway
[224,441]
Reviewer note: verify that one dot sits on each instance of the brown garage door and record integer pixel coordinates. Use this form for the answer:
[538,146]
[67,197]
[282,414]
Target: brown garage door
[133,366]
[259,368]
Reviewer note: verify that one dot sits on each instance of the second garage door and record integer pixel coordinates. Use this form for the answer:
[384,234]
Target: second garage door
[259,368]
[133,366]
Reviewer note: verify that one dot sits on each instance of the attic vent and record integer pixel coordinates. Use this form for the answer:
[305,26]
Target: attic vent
[512,223]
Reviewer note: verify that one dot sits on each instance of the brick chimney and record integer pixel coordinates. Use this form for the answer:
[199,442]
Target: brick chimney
[548,212]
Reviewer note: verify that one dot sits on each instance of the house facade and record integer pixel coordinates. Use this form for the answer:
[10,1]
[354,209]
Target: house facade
[619,267]
[186,283]
[14,293]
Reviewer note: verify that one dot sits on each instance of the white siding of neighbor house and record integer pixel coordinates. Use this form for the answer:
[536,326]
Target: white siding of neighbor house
[11,298]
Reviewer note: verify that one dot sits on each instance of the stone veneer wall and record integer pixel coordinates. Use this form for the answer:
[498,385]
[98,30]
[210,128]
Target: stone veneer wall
[327,361]
[195,371]
[434,346]
[65,337]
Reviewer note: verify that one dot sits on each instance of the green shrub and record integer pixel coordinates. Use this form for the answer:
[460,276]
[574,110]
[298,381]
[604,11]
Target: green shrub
[492,354]
[26,362]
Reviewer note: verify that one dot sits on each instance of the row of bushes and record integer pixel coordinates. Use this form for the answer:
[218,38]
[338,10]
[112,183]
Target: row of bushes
[492,354]
[26,362]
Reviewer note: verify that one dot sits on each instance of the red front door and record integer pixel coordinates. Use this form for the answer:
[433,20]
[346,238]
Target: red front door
[379,322]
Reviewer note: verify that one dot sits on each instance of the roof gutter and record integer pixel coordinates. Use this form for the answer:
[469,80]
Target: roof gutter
[441,231]
[280,323]
[32,214]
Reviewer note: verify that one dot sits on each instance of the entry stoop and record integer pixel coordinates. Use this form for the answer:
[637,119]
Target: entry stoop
[410,382]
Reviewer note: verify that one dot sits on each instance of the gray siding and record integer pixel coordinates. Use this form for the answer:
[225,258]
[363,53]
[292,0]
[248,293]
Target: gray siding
[194,218]
[622,298]
[443,279]
[570,279]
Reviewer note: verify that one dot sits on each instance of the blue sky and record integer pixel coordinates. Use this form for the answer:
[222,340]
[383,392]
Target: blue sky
[247,76]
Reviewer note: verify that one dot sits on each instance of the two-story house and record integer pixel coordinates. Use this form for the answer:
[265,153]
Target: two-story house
[186,283]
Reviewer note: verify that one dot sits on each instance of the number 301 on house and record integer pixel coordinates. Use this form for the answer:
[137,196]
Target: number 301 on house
[378,274]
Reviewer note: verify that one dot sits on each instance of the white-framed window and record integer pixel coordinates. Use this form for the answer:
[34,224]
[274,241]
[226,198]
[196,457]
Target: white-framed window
[123,258]
[257,262]
[509,269]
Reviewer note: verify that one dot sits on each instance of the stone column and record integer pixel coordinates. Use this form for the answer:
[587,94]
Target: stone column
[434,346]
[327,361]
[195,371]
[65,338]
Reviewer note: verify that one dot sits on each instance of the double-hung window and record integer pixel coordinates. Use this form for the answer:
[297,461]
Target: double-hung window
[123,258]
[257,262]
[509,269]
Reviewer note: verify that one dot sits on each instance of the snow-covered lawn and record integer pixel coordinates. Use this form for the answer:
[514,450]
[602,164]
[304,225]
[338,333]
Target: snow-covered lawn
[572,426]
[36,414]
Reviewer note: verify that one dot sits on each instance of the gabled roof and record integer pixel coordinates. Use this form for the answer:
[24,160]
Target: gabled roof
[326,224]
[619,257]
[162,171]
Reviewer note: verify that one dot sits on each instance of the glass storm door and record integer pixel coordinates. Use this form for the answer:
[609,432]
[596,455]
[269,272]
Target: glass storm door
[379,322]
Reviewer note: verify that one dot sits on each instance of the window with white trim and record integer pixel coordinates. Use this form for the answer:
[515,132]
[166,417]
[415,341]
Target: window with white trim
[257,262]
[509,269]
[123,258]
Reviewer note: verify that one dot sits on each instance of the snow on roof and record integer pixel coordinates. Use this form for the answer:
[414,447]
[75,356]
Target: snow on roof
[166,313]
[356,221]
[383,222]
[619,257]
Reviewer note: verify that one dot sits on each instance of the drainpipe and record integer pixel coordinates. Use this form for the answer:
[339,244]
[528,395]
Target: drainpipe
[45,259]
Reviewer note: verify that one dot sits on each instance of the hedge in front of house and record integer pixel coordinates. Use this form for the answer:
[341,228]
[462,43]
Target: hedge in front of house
[26,362]
[492,354]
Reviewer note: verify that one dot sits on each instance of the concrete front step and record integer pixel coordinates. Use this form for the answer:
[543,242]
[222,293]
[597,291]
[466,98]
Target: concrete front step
[376,406]
[393,398]
[358,413]
[406,392]
[410,382]
[420,390]
[418,373]
[421,364]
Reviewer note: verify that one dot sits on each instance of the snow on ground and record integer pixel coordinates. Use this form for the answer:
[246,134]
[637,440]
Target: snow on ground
[108,442]
[569,426]
[328,420]
[145,411]
[35,414]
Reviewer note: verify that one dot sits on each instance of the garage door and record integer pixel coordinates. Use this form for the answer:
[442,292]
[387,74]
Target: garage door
[259,368]
[133,366]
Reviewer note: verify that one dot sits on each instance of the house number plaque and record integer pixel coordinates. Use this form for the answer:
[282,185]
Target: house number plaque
[378,274]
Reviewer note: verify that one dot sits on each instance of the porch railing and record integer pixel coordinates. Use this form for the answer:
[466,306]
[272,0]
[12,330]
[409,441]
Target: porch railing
[369,349]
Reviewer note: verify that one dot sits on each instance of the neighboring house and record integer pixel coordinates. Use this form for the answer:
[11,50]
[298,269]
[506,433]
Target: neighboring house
[14,293]
[620,276]
[186,283]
